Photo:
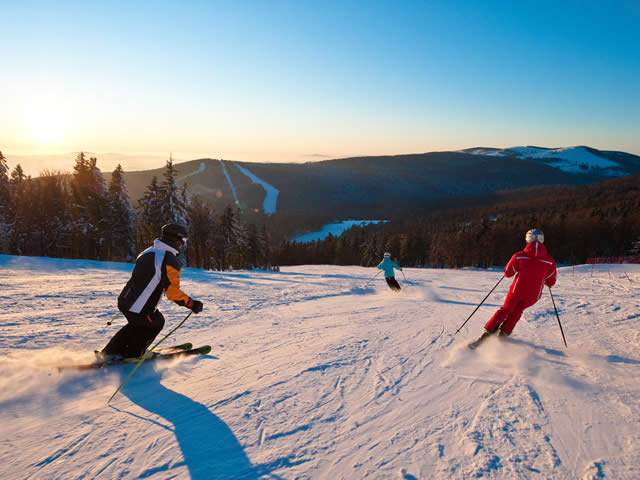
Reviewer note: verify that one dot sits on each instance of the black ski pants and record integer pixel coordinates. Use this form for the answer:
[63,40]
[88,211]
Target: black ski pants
[134,338]
[393,283]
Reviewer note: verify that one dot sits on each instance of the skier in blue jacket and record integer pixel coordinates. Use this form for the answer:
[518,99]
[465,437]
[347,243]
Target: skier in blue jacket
[388,265]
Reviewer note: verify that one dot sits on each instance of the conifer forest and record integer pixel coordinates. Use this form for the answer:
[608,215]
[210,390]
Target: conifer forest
[77,215]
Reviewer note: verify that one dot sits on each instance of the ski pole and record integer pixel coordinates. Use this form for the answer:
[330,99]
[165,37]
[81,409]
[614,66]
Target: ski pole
[147,355]
[405,277]
[111,321]
[465,322]
[372,278]
[558,316]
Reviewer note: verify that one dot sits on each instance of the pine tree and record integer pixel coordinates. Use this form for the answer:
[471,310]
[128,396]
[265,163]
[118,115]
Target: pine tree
[5,197]
[230,241]
[200,246]
[149,218]
[255,248]
[52,225]
[18,211]
[174,209]
[90,209]
[4,183]
[121,221]
[265,242]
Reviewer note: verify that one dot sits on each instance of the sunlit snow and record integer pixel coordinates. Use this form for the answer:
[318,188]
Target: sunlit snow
[322,372]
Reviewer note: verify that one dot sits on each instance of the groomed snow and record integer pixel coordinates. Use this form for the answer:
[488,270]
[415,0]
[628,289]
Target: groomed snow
[321,372]
[233,189]
[335,229]
[271,192]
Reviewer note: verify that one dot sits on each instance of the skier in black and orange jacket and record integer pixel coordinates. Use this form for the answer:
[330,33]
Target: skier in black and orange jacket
[157,270]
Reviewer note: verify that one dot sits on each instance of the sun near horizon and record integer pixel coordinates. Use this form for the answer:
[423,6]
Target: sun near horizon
[296,82]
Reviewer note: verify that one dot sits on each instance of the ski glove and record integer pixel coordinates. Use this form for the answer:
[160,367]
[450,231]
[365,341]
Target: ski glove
[195,305]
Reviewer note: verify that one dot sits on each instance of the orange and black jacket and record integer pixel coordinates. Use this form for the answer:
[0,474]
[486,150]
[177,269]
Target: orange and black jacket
[156,270]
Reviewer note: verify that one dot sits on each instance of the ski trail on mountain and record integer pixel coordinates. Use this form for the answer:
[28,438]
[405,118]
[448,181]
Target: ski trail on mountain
[231,186]
[271,192]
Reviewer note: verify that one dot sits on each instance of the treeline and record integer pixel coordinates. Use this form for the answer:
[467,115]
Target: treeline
[598,220]
[78,216]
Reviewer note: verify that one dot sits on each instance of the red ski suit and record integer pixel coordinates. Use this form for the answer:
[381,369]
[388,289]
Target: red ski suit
[533,269]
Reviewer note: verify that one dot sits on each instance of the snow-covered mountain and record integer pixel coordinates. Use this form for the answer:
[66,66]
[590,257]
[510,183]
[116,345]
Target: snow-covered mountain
[571,160]
[379,187]
[321,372]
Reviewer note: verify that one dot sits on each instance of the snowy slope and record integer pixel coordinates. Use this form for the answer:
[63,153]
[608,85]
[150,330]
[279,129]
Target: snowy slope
[570,160]
[271,193]
[233,189]
[335,229]
[319,372]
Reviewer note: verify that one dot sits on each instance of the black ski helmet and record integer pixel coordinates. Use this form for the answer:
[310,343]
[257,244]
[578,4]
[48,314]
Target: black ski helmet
[174,235]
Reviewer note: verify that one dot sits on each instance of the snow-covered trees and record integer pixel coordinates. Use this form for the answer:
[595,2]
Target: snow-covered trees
[149,219]
[77,216]
[121,239]
[172,198]
[90,209]
[5,226]
[162,203]
[19,215]
[52,223]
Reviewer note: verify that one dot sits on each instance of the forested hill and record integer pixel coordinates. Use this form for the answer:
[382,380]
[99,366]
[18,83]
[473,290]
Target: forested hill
[602,219]
[379,186]
[83,216]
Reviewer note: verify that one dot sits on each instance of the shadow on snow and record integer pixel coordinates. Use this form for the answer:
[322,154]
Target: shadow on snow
[209,447]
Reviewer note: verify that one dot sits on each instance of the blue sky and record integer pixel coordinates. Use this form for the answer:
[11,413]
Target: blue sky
[294,81]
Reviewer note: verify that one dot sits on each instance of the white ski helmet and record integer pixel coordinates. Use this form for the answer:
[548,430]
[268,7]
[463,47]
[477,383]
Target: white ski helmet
[387,255]
[534,235]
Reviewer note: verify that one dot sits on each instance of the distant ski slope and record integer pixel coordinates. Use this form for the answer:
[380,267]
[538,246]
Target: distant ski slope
[335,229]
[233,189]
[322,372]
[201,169]
[570,160]
[271,193]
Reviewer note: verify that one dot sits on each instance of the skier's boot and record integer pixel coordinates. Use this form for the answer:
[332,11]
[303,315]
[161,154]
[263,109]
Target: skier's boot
[502,333]
[486,334]
[107,358]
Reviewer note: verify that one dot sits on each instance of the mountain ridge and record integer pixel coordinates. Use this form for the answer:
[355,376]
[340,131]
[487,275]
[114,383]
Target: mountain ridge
[379,186]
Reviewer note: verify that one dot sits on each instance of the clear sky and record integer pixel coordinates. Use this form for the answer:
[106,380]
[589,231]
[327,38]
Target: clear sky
[304,80]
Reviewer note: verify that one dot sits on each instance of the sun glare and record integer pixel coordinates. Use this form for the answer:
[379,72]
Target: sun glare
[45,122]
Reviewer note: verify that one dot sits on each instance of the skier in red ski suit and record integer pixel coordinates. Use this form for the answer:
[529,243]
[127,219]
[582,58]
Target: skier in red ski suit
[533,269]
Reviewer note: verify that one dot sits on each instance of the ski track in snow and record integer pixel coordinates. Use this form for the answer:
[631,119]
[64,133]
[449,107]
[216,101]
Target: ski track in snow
[316,374]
